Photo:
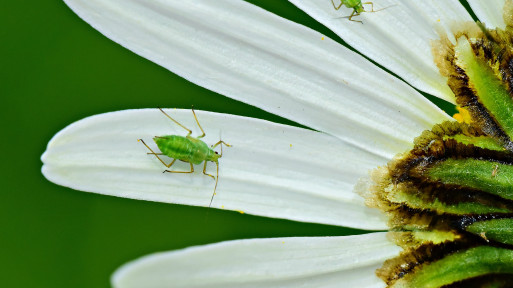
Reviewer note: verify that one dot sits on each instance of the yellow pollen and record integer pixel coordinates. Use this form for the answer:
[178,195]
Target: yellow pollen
[322,38]
[463,116]
[438,20]
[240,211]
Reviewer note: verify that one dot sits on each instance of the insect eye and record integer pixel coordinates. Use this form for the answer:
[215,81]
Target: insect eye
[215,152]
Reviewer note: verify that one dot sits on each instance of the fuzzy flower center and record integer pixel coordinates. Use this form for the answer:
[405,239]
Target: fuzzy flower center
[450,199]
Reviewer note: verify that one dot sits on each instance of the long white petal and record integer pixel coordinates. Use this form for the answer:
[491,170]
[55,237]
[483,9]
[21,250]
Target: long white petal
[249,54]
[489,12]
[397,37]
[271,170]
[348,261]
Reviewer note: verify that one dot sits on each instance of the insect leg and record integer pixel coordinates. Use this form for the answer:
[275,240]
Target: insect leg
[221,142]
[372,6]
[192,169]
[156,154]
[205,171]
[334,6]
[354,14]
[196,118]
[176,121]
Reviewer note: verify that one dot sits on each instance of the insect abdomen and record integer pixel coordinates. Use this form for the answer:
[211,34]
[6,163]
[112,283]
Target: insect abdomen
[182,148]
[176,147]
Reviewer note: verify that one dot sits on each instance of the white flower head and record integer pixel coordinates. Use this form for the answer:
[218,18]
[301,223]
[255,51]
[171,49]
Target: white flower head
[360,116]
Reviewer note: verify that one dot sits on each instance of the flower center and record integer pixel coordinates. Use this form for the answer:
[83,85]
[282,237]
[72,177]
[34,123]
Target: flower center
[450,199]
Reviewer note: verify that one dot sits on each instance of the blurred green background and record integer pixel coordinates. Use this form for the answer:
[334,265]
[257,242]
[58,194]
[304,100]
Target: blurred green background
[56,69]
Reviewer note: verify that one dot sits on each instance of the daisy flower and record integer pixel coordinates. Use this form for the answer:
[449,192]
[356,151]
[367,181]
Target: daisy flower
[360,117]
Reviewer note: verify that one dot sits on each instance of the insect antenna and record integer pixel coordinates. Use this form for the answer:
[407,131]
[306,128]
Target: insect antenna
[217,178]
[372,7]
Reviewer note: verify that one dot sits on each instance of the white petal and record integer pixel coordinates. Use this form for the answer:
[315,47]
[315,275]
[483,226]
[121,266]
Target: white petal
[397,37]
[348,261]
[249,54]
[271,170]
[489,12]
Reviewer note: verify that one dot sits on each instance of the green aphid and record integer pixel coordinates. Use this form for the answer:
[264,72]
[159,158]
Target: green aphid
[187,149]
[356,5]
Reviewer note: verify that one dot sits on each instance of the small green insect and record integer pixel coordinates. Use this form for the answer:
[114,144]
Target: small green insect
[187,149]
[357,6]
